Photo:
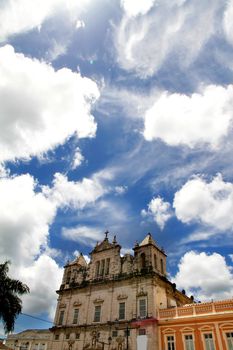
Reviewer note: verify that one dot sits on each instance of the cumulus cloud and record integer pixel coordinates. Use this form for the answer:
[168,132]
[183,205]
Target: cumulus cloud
[25,216]
[83,234]
[191,120]
[27,211]
[44,277]
[34,98]
[19,16]
[159,210]
[77,195]
[143,43]
[208,203]
[134,8]
[205,276]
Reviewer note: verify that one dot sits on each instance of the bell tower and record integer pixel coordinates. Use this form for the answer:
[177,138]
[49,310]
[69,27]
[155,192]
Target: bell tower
[149,256]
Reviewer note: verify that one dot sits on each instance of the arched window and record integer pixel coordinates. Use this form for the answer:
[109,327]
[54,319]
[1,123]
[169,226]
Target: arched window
[143,260]
[97,268]
[155,262]
[161,263]
[68,277]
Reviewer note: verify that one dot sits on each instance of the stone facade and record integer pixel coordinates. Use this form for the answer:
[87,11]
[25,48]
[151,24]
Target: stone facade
[113,302]
[30,339]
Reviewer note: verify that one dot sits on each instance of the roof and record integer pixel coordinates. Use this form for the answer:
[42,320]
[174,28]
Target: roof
[80,260]
[105,244]
[148,240]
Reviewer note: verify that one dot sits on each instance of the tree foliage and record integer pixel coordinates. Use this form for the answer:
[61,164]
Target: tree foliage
[10,303]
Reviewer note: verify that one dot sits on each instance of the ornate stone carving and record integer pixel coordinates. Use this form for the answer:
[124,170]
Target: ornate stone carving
[77,303]
[62,305]
[142,293]
[122,296]
[98,301]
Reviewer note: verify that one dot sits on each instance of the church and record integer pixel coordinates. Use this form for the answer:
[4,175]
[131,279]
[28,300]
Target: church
[113,301]
[117,302]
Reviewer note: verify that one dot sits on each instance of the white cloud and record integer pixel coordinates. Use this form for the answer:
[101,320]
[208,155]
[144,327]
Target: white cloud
[4,172]
[34,98]
[159,210]
[143,43]
[43,277]
[227,21]
[80,24]
[19,16]
[191,120]
[25,217]
[209,203]
[74,194]
[119,190]
[139,7]
[231,256]
[205,276]
[26,214]
[83,234]
[78,159]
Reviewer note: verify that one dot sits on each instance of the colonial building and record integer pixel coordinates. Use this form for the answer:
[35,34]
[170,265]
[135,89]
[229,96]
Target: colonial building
[30,339]
[113,301]
[204,326]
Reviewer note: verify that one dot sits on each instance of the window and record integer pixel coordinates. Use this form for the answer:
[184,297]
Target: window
[97,313]
[170,342]
[77,335]
[97,269]
[42,347]
[188,339]
[229,336]
[121,311]
[61,317]
[107,266]
[56,336]
[68,336]
[102,267]
[155,261]
[161,264]
[68,277]
[143,260]
[75,318]
[142,308]
[114,334]
[209,342]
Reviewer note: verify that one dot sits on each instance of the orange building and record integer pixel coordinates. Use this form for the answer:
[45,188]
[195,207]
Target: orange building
[204,326]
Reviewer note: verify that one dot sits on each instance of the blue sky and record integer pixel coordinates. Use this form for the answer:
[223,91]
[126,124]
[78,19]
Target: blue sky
[116,115]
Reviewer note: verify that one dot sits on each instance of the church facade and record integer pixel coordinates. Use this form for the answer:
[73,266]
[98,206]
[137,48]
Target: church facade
[113,301]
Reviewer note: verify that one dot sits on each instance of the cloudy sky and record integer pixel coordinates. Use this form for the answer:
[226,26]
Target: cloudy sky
[118,115]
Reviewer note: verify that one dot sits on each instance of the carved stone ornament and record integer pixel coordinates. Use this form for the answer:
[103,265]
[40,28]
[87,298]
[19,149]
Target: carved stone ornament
[77,303]
[141,293]
[122,296]
[62,305]
[98,301]
[120,339]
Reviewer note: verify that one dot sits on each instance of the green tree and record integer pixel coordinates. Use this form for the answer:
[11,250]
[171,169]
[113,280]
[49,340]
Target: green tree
[10,303]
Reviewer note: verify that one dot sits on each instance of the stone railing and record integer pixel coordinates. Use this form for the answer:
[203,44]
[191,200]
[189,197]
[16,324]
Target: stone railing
[196,309]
